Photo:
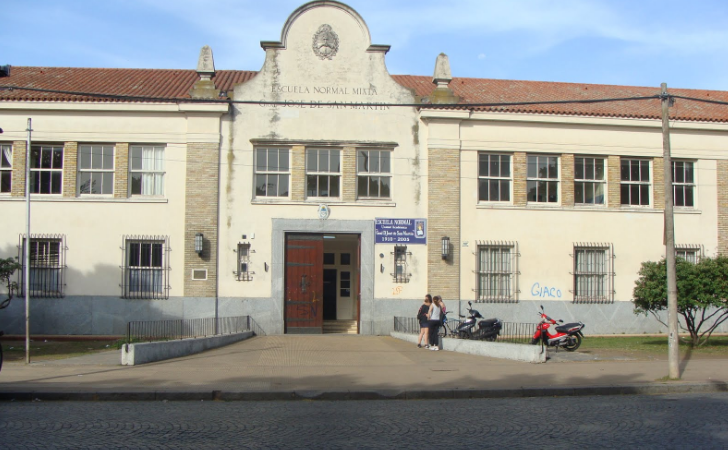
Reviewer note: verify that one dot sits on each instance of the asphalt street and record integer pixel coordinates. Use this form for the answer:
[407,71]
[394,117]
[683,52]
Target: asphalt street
[686,421]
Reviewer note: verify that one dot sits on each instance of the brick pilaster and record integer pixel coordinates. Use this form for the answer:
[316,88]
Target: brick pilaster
[348,174]
[121,171]
[18,187]
[520,167]
[567,180]
[614,193]
[722,180]
[658,183]
[201,209]
[298,173]
[443,220]
[70,163]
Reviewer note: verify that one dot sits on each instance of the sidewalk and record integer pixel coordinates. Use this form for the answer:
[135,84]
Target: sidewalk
[346,367]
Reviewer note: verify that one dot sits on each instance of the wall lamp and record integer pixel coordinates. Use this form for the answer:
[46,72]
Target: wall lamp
[198,243]
[445,247]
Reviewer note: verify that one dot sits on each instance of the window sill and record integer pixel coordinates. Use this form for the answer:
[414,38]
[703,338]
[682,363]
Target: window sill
[316,202]
[84,199]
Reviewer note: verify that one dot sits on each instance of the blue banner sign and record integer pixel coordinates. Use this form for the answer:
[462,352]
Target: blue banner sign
[400,231]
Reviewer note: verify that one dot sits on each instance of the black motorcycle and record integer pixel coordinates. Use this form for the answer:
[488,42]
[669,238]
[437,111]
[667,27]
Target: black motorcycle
[487,329]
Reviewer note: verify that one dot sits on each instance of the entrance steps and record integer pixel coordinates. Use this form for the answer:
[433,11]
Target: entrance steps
[339,327]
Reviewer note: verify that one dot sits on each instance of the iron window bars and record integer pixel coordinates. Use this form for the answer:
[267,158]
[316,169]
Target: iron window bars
[145,267]
[244,273]
[691,253]
[47,265]
[593,273]
[400,274]
[496,279]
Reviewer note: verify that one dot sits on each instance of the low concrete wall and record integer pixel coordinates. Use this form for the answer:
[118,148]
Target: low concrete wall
[516,352]
[146,352]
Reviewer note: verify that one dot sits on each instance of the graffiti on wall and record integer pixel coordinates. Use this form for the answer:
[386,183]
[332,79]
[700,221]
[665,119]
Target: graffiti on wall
[542,291]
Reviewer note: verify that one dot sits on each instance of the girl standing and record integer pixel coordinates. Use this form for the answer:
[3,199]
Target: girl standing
[424,323]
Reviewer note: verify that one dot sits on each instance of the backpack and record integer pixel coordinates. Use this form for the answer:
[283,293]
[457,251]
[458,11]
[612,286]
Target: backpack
[421,315]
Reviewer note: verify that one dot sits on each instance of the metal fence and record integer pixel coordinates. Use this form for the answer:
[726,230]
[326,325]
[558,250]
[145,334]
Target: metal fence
[512,332]
[164,330]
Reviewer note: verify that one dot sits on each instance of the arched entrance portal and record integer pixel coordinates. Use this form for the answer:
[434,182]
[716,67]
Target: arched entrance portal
[322,283]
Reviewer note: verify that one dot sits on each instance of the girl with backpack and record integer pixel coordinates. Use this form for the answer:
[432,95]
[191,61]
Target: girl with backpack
[424,322]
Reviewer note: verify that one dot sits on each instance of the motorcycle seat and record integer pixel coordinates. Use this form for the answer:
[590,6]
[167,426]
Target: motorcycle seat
[487,323]
[567,326]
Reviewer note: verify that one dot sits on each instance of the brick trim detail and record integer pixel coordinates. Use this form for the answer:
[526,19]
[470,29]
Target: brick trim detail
[348,174]
[121,170]
[70,167]
[614,180]
[201,212]
[520,170]
[567,180]
[722,181]
[443,220]
[298,173]
[658,183]
[18,187]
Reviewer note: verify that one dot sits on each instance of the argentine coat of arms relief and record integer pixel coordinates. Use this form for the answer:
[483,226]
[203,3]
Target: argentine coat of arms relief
[325,42]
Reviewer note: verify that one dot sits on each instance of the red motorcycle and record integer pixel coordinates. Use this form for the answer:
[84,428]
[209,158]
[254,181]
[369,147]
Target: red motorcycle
[551,334]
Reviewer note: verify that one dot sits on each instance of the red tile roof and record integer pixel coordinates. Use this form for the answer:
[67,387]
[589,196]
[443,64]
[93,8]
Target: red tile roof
[145,85]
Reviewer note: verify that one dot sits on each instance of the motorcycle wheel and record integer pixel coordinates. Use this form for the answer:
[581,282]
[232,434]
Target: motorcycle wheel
[575,345]
[491,338]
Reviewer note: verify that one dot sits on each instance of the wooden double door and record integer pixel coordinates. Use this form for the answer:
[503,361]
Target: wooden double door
[304,283]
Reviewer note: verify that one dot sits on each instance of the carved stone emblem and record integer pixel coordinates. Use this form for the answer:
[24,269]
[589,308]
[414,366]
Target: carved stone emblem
[325,42]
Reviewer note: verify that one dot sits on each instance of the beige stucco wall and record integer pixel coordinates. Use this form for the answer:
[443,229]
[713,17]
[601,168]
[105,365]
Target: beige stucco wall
[293,73]
[94,226]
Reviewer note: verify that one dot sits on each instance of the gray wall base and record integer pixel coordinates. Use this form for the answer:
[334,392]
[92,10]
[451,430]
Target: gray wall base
[146,352]
[515,352]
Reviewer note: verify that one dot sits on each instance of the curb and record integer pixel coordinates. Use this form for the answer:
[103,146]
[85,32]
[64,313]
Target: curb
[524,392]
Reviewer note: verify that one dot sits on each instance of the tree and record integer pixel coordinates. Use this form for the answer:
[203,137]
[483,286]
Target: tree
[8,266]
[702,293]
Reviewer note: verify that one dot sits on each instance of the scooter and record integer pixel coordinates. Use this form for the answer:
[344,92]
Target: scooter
[488,329]
[548,332]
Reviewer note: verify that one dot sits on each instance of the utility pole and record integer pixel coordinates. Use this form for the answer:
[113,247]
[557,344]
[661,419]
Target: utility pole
[672,337]
[26,245]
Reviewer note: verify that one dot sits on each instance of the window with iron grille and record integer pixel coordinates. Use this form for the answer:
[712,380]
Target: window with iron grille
[542,179]
[683,184]
[243,272]
[690,253]
[497,272]
[146,170]
[272,172]
[46,169]
[635,182]
[96,169]
[145,273]
[6,168]
[47,265]
[374,175]
[323,172]
[589,181]
[400,264]
[494,178]
[593,273]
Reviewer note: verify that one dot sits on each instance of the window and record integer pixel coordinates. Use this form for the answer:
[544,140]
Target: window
[494,178]
[6,168]
[146,270]
[47,264]
[46,169]
[147,170]
[683,183]
[543,179]
[272,172]
[345,287]
[96,169]
[635,176]
[243,272]
[323,173]
[593,274]
[400,264]
[374,173]
[496,272]
[589,181]
[690,253]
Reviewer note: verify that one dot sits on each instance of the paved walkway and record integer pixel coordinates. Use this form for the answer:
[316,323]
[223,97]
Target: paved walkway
[343,366]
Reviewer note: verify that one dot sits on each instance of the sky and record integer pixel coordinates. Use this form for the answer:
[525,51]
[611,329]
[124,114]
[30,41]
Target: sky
[623,42]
